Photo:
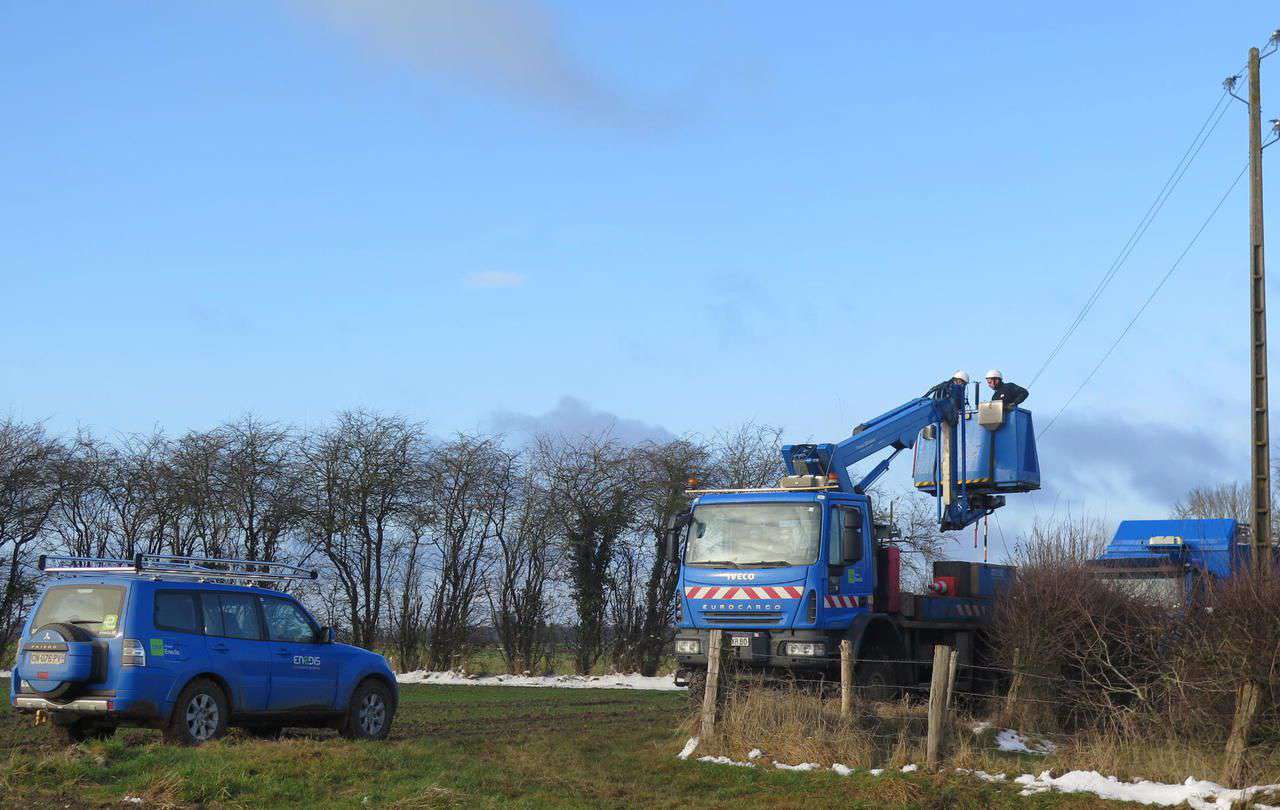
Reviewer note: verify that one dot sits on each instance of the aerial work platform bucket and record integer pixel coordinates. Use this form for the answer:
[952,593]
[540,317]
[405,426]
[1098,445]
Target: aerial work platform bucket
[999,453]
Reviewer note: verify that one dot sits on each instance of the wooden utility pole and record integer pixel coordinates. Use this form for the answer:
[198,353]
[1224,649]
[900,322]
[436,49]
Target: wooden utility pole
[937,707]
[712,693]
[1261,462]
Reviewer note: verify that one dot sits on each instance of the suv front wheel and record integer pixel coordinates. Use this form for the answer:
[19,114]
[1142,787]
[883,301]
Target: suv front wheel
[199,715]
[369,713]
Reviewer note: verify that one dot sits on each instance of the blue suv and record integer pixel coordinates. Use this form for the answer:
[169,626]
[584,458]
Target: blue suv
[172,643]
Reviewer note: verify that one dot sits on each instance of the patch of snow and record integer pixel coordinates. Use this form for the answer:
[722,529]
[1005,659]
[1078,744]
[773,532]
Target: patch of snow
[876,771]
[4,673]
[618,681]
[688,749]
[1013,741]
[803,766]
[978,728]
[131,800]
[843,770]
[755,753]
[726,761]
[1199,794]
[909,768]
[983,775]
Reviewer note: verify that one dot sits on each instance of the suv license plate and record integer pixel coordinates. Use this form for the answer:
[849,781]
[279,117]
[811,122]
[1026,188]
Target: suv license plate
[47,659]
[739,641]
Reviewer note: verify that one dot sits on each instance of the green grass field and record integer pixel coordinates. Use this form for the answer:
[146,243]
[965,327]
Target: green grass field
[464,747]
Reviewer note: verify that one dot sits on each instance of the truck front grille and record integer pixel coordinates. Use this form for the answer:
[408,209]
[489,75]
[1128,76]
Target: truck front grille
[741,617]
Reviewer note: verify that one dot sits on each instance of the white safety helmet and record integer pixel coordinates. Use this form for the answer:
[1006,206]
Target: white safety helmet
[995,372]
[961,375]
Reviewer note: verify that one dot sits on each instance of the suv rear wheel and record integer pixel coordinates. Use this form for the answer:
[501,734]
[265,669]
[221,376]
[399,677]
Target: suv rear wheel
[369,713]
[77,731]
[199,715]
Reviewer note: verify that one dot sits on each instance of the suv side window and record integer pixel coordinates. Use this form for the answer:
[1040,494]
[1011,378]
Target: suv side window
[177,610]
[287,621]
[240,616]
[212,610]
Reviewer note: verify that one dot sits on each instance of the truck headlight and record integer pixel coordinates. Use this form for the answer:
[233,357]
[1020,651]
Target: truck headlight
[805,648]
[688,646]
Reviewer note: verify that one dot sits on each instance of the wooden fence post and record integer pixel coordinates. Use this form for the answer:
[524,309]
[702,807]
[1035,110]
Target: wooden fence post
[1247,699]
[937,705]
[846,678]
[1015,688]
[951,675]
[709,697]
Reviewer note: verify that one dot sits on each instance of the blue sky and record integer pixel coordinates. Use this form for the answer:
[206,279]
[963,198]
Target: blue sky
[682,215]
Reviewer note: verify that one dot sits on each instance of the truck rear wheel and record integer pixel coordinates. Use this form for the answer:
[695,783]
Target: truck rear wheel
[875,677]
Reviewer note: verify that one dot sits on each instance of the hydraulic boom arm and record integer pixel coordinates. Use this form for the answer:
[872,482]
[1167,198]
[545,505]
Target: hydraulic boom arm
[899,428]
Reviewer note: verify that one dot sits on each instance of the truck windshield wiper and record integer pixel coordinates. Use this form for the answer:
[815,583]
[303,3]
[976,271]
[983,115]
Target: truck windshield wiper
[84,621]
[728,563]
[767,564]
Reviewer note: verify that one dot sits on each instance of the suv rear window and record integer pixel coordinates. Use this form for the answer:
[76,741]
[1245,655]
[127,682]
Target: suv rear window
[96,608]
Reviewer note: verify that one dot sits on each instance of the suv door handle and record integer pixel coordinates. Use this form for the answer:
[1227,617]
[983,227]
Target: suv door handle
[219,647]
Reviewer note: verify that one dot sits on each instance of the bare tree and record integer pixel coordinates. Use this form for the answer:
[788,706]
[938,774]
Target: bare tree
[591,485]
[82,518]
[359,480]
[29,489]
[748,456]
[1221,501]
[408,618]
[463,476]
[518,591]
[257,477]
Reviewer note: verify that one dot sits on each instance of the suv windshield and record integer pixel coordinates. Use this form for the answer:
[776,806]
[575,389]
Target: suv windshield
[754,534]
[96,608]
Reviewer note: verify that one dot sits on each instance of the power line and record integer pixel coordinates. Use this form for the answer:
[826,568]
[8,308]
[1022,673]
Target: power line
[1170,185]
[1221,201]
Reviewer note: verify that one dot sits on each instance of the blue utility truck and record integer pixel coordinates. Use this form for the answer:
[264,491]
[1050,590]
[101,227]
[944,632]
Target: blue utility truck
[1171,561]
[789,572]
[189,645]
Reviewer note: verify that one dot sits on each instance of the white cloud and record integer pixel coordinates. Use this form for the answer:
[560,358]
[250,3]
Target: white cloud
[495,279]
[572,418]
[512,47]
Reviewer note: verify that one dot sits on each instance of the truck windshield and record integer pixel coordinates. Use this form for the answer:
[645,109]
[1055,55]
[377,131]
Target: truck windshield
[754,534]
[96,608]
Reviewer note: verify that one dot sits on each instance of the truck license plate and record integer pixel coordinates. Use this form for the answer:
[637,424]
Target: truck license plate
[739,641]
[55,659]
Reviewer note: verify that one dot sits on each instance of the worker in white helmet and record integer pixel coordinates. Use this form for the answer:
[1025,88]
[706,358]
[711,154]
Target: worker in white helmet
[1010,394]
[961,377]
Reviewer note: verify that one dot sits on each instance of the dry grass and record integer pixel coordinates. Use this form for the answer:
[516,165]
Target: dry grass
[794,725]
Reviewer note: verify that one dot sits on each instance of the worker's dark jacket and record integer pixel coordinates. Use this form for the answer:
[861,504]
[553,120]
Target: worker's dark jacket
[1012,395]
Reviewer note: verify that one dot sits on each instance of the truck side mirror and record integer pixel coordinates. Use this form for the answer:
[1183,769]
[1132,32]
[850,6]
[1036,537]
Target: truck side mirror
[675,527]
[325,635]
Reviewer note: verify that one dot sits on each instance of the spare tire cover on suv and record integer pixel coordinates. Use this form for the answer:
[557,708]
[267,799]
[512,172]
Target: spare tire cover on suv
[57,659]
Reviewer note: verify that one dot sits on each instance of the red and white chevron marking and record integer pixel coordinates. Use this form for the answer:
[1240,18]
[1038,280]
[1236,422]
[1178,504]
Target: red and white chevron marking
[846,601]
[744,592]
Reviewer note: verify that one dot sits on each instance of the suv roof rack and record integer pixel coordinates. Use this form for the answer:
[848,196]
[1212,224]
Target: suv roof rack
[171,565]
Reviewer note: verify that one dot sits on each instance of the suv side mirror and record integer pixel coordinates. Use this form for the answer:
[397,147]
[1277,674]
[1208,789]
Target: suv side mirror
[325,635]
